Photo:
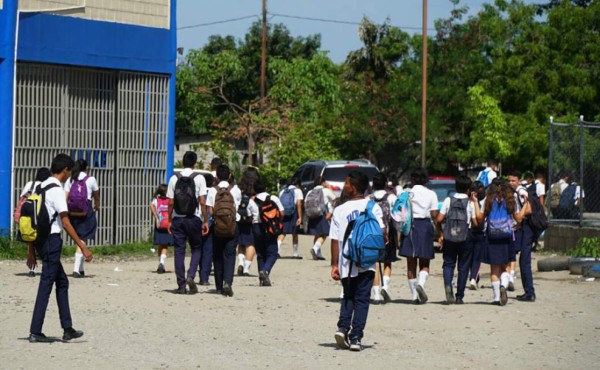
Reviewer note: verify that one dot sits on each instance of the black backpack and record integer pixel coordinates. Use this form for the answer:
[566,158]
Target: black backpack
[537,220]
[245,216]
[185,199]
[36,224]
[456,226]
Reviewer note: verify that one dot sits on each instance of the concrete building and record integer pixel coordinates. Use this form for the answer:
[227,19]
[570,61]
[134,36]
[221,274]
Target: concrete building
[94,79]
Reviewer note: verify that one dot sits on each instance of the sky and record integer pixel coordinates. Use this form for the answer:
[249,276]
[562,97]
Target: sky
[336,38]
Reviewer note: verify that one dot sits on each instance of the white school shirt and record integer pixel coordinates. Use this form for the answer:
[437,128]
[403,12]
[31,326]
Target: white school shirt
[236,193]
[540,188]
[391,199]
[200,183]
[520,195]
[253,207]
[563,185]
[56,201]
[297,193]
[27,188]
[470,206]
[423,201]
[491,174]
[328,196]
[91,184]
[342,216]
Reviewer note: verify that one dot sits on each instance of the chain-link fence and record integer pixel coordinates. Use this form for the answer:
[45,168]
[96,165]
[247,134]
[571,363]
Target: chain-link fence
[573,190]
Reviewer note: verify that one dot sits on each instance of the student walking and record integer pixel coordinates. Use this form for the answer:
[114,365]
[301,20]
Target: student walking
[477,240]
[417,246]
[188,220]
[246,249]
[159,207]
[50,252]
[357,283]
[318,210]
[81,189]
[206,255]
[223,201]
[291,197]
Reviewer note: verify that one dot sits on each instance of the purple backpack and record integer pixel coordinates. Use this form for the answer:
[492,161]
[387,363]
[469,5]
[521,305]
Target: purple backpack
[78,196]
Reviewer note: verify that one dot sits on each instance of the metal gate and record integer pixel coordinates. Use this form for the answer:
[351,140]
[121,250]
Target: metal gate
[117,121]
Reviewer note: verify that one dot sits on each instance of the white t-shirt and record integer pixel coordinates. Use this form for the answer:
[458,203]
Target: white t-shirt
[563,185]
[470,206]
[540,188]
[200,183]
[56,201]
[28,188]
[253,207]
[236,193]
[379,194]
[297,193]
[491,174]
[91,184]
[342,216]
[423,201]
[328,196]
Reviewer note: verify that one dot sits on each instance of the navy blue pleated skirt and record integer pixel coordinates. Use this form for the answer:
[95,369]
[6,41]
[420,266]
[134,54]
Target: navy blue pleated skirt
[162,237]
[419,242]
[246,236]
[289,224]
[318,226]
[85,227]
[497,252]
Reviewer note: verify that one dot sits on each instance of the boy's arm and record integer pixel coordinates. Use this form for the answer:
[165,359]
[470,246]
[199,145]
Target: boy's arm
[64,218]
[96,196]
[335,249]
[205,228]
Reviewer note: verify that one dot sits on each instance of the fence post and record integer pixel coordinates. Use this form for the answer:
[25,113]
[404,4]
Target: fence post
[550,174]
[580,198]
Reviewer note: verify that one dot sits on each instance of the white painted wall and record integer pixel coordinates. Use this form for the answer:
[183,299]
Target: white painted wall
[149,13]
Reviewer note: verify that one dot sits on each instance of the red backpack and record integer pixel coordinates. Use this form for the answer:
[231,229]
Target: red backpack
[162,210]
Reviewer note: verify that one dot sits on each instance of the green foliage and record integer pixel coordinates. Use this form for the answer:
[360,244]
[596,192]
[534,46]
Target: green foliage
[587,247]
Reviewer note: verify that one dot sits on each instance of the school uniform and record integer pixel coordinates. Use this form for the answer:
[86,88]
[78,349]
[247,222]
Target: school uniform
[524,238]
[52,269]
[500,252]
[477,245]
[392,246]
[29,188]
[458,251]
[186,228]
[87,225]
[357,283]
[319,226]
[265,244]
[224,248]
[289,221]
[419,242]
[160,237]
[206,251]
[246,236]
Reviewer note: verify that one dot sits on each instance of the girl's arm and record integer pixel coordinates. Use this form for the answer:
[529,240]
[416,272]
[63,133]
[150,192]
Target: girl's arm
[154,214]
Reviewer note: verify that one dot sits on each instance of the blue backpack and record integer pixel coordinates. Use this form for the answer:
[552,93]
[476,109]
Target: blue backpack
[483,178]
[499,223]
[366,243]
[288,200]
[401,213]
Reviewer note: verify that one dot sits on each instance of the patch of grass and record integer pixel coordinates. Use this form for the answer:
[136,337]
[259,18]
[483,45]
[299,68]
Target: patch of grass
[12,250]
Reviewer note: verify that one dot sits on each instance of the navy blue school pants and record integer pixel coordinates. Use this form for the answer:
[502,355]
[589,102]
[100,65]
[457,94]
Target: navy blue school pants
[477,242]
[524,247]
[206,258]
[52,273]
[463,253]
[224,254]
[266,249]
[355,304]
[188,228]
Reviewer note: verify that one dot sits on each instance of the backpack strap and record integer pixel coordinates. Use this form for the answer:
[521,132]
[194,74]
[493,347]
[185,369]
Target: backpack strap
[43,193]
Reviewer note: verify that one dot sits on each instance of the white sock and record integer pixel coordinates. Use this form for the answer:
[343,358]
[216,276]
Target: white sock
[504,279]
[386,282]
[295,249]
[376,295]
[163,259]
[81,263]
[247,265]
[77,263]
[241,259]
[279,246]
[512,276]
[496,290]
[412,284]
[317,248]
[423,278]
[342,293]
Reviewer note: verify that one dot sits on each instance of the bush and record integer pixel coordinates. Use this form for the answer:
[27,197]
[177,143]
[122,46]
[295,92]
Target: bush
[587,247]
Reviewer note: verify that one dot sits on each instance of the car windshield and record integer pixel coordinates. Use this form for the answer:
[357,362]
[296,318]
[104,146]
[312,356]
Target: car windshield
[339,174]
[443,190]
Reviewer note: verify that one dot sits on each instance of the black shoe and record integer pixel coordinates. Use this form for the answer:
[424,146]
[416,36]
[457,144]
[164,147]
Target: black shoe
[77,275]
[503,296]
[71,333]
[415,301]
[386,296]
[355,345]
[263,278]
[526,298]
[422,295]
[31,274]
[227,291]
[320,258]
[496,303]
[160,269]
[511,286]
[39,338]
[240,270]
[181,290]
[192,286]
[204,283]
[341,338]
[246,274]
[313,254]
[376,301]
[449,294]
[459,301]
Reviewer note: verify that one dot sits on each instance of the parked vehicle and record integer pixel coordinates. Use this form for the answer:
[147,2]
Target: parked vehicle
[335,173]
[443,186]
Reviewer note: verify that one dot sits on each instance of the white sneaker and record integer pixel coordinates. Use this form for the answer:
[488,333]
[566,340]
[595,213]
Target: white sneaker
[296,252]
[473,284]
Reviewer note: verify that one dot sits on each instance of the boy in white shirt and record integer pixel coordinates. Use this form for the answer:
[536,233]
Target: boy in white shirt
[292,220]
[358,282]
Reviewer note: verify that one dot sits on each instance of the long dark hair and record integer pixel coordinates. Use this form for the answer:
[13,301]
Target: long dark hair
[80,166]
[247,181]
[499,193]
[161,191]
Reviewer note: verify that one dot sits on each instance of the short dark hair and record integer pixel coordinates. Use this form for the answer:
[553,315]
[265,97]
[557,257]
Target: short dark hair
[319,180]
[463,184]
[42,174]
[514,173]
[210,179]
[60,162]
[528,175]
[419,176]
[216,162]
[294,181]
[223,172]
[189,159]
[492,162]
[359,180]
[379,181]
[259,185]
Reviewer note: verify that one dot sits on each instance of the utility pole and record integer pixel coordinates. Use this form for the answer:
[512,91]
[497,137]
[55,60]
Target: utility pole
[263,62]
[424,88]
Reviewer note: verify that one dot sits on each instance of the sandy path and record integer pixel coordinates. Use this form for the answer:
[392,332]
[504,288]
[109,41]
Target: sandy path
[132,320]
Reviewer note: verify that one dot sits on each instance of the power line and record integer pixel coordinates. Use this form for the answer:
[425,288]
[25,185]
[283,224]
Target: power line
[218,22]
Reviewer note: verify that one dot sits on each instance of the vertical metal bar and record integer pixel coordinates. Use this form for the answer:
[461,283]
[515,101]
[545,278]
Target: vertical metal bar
[581,143]
[550,173]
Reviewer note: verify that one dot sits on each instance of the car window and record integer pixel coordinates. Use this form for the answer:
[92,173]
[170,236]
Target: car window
[339,174]
[443,190]
[309,174]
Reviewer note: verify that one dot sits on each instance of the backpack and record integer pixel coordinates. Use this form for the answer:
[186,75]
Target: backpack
[401,213]
[35,223]
[366,242]
[314,204]
[537,220]
[288,199]
[566,204]
[269,216]
[78,197]
[17,213]
[555,195]
[224,213]
[385,207]
[499,223]
[186,201]
[456,225]
[245,216]
[483,178]
[162,210]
